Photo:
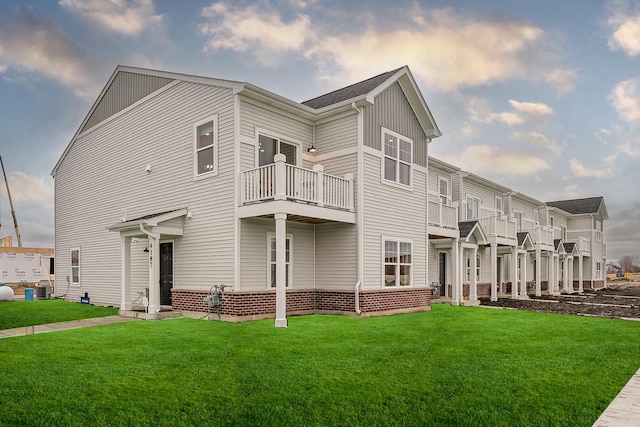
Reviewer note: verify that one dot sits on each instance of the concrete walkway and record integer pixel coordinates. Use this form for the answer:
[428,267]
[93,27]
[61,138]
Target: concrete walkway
[28,330]
[624,410]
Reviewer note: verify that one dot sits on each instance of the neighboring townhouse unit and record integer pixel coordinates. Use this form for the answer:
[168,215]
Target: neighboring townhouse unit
[488,240]
[174,183]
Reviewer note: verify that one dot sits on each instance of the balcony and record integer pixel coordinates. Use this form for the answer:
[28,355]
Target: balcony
[542,236]
[582,245]
[443,218]
[498,227]
[308,194]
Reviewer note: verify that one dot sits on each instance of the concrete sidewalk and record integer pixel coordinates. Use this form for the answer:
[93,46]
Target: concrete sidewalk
[624,410]
[28,330]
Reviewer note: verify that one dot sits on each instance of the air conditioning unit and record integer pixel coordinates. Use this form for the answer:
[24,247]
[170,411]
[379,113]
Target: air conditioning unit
[43,292]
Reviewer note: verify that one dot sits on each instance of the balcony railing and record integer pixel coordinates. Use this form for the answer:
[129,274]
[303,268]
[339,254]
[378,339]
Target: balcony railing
[281,181]
[441,214]
[498,227]
[541,235]
[582,245]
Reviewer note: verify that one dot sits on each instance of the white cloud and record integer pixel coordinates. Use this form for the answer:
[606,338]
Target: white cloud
[580,171]
[625,98]
[485,159]
[625,34]
[126,17]
[539,140]
[532,108]
[32,44]
[446,50]
[26,189]
[571,191]
[254,28]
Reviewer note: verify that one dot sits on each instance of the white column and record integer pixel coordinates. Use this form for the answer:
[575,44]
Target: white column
[538,278]
[494,272]
[550,288]
[319,170]
[125,258]
[281,177]
[580,274]
[154,275]
[473,280]
[523,278]
[570,274]
[281,271]
[455,297]
[565,274]
[461,275]
[556,277]
[514,272]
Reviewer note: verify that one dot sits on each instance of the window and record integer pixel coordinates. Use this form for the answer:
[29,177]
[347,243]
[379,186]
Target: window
[519,269]
[517,215]
[473,207]
[598,270]
[75,266]
[271,270]
[551,221]
[205,155]
[397,157]
[269,147]
[563,232]
[397,263]
[443,185]
[468,275]
[499,209]
[477,268]
[536,215]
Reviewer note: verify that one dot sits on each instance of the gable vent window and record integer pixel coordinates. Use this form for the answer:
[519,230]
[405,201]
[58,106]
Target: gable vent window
[205,146]
[397,158]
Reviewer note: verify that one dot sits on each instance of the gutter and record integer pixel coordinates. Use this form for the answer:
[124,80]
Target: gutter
[360,212]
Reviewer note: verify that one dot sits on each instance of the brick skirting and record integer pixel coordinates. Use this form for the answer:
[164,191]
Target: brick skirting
[248,305]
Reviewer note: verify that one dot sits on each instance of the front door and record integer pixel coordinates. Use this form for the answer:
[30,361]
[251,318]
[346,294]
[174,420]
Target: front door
[499,274]
[443,273]
[166,272]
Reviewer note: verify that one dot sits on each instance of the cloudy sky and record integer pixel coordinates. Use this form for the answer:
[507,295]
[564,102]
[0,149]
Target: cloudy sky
[542,97]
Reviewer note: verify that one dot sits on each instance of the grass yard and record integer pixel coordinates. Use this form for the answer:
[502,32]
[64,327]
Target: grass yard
[450,366]
[15,314]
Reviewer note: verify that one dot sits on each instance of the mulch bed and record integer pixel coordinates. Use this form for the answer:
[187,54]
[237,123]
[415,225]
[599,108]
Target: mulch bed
[618,301]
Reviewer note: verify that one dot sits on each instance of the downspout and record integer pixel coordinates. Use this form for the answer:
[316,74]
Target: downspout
[360,207]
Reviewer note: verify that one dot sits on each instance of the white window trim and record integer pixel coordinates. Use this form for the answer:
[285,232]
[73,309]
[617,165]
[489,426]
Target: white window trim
[71,282]
[298,144]
[288,237]
[398,240]
[563,231]
[214,172]
[536,216]
[501,210]
[515,216]
[478,259]
[448,195]
[384,180]
[466,204]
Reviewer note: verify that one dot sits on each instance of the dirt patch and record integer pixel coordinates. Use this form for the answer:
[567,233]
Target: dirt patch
[617,301]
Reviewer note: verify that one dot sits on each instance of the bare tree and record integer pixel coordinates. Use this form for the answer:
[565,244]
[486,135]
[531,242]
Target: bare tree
[628,263]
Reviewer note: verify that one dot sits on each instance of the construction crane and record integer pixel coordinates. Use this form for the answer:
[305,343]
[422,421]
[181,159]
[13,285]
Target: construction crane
[13,212]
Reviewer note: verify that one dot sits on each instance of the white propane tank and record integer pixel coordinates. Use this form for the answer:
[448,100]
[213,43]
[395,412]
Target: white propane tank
[6,293]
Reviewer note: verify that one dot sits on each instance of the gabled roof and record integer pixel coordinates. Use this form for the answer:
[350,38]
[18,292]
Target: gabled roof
[466,227]
[524,240]
[351,91]
[151,220]
[569,247]
[471,228]
[589,205]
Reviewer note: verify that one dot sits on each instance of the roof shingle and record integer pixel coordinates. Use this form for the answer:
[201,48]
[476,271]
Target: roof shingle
[578,206]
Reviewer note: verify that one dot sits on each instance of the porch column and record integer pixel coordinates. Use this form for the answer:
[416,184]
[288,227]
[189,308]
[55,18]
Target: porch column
[281,290]
[570,274]
[538,278]
[455,297]
[514,272]
[154,274]
[125,299]
[523,277]
[461,275]
[557,275]
[580,274]
[280,166]
[565,273]
[473,280]
[550,274]
[494,272]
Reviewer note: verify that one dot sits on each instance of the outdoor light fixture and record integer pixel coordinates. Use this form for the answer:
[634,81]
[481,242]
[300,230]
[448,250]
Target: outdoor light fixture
[312,149]
[146,249]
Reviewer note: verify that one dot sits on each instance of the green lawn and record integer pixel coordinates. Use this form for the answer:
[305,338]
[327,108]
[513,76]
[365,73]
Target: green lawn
[15,314]
[450,366]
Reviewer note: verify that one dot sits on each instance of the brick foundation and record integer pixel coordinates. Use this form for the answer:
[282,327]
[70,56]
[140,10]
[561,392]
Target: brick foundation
[249,305]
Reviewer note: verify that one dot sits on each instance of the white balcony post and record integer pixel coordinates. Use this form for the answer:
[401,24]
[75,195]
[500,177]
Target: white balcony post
[580,274]
[125,300]
[565,273]
[350,193]
[154,275]
[281,289]
[538,278]
[514,272]
[281,178]
[570,274]
[319,172]
[523,277]
[473,286]
[455,298]
[494,272]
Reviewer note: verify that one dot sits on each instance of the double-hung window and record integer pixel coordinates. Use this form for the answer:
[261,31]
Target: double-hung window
[75,266]
[499,208]
[398,154]
[518,217]
[443,185]
[397,262]
[473,207]
[271,268]
[205,147]
[269,147]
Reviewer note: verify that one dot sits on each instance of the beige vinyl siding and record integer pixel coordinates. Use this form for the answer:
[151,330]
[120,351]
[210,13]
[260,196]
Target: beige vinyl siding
[247,157]
[254,253]
[336,256]
[525,207]
[104,173]
[337,134]
[487,196]
[392,111]
[395,213]
[340,166]
[253,116]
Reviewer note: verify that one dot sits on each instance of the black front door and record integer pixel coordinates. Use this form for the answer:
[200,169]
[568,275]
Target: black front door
[166,272]
[443,273]
[498,273]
